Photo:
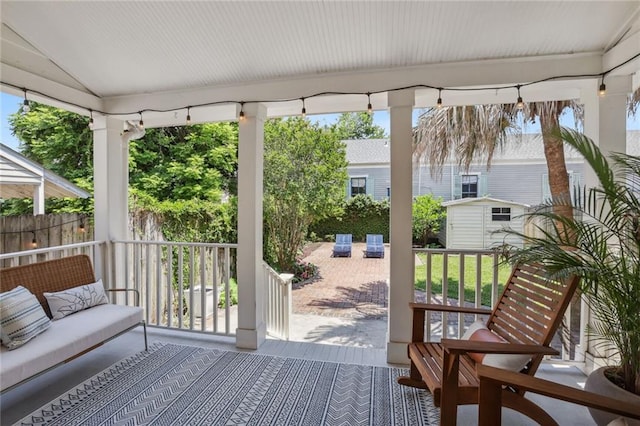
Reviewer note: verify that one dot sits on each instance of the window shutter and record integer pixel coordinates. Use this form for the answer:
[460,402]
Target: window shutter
[370,187]
[348,189]
[546,191]
[456,191]
[483,188]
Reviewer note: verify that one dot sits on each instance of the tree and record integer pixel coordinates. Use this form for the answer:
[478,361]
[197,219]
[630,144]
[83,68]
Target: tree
[357,125]
[304,178]
[470,132]
[168,164]
[428,215]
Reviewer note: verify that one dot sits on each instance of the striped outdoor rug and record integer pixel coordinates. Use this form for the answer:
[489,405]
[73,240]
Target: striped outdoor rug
[183,385]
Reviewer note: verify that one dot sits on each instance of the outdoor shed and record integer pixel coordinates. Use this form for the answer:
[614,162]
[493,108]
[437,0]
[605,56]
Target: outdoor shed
[471,222]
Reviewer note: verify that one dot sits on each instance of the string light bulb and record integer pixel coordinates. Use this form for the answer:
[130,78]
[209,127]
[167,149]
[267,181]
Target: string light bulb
[34,242]
[141,122]
[91,119]
[26,107]
[439,101]
[602,90]
[241,115]
[519,102]
[188,115]
[81,227]
[304,110]
[369,106]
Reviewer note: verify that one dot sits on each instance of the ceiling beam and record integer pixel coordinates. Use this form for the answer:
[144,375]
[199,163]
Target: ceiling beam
[623,51]
[464,74]
[69,98]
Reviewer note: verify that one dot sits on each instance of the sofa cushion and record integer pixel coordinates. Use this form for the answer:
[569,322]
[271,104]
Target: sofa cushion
[21,317]
[67,302]
[479,332]
[66,338]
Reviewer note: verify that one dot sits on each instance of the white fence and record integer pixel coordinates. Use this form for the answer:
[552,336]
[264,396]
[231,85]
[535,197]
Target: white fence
[278,302]
[96,250]
[480,270]
[182,285]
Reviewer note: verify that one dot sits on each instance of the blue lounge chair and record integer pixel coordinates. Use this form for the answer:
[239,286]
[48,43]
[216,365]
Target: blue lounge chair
[342,246]
[375,246]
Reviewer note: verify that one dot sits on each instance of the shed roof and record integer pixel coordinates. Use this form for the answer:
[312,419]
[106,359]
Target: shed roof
[19,176]
[463,201]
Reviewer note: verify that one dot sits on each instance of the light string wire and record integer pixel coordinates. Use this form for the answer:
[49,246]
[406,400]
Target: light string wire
[81,219]
[326,93]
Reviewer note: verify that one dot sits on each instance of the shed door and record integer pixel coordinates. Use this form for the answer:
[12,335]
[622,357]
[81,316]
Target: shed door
[465,227]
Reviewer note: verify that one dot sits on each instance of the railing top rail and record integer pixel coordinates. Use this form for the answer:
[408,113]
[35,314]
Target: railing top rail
[454,251]
[32,252]
[176,243]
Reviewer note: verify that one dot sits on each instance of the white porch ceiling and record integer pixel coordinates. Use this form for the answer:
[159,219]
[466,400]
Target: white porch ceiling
[137,54]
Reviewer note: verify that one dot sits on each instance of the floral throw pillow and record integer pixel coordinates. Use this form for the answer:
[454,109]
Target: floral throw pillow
[21,317]
[67,302]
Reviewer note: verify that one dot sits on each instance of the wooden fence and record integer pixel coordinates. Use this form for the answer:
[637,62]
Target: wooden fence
[18,233]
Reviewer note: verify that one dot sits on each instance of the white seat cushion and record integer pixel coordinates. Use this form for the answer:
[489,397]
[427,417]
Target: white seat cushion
[65,338]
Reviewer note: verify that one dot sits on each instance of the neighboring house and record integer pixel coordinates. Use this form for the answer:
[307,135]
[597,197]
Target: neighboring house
[21,177]
[518,173]
[478,200]
[472,222]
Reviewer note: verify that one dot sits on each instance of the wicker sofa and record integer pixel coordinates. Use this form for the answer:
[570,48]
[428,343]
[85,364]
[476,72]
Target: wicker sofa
[68,337]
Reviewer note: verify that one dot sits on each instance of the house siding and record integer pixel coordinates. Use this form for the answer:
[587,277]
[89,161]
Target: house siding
[520,183]
[378,180]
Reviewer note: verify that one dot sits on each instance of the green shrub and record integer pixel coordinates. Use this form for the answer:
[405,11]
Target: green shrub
[233,294]
[361,215]
[303,271]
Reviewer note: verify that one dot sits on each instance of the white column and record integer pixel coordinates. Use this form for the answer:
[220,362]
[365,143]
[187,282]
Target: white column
[605,117]
[111,181]
[605,121]
[401,261]
[251,331]
[38,198]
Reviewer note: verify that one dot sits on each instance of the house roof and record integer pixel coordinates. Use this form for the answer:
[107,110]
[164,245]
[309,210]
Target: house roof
[463,201]
[367,151]
[518,149]
[19,177]
[124,57]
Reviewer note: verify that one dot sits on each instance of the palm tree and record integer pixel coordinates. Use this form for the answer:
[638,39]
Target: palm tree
[476,131]
[601,244]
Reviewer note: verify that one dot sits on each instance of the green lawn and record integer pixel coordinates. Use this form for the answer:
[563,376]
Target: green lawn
[454,276]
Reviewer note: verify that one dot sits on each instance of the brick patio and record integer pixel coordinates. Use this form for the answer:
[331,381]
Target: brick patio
[352,287]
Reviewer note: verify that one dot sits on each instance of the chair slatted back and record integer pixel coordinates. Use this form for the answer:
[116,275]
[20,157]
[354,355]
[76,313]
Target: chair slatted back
[531,307]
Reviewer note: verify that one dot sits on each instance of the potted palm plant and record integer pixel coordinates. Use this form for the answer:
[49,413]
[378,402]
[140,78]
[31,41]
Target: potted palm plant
[601,244]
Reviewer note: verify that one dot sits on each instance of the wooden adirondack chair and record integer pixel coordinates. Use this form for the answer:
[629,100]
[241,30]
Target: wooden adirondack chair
[527,316]
[493,379]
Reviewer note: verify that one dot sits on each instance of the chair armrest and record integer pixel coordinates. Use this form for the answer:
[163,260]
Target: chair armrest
[447,308]
[137,293]
[492,379]
[463,346]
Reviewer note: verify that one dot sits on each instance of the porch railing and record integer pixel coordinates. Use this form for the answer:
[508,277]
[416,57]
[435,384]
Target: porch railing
[96,250]
[446,275]
[278,302]
[182,285]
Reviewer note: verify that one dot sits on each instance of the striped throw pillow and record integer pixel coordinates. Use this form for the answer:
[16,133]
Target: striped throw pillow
[21,317]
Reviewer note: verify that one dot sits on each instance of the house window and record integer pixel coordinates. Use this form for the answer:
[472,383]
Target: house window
[358,186]
[501,214]
[469,186]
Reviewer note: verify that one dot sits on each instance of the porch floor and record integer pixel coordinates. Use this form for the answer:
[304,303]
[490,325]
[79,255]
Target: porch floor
[19,402]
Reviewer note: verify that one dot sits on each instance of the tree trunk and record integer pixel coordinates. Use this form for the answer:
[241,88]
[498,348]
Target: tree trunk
[556,166]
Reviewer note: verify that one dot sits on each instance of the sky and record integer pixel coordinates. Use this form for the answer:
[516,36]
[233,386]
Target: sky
[10,104]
